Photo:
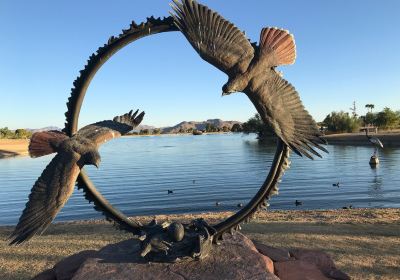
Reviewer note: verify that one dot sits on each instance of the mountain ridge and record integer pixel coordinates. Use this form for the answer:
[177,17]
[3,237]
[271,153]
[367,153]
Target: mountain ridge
[179,127]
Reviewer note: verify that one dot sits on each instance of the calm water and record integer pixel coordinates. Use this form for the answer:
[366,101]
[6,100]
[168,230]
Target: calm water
[136,173]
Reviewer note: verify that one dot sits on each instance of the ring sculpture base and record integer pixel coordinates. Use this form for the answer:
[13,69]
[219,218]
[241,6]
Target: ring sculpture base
[171,242]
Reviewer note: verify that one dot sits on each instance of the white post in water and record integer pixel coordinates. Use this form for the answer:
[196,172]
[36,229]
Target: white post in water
[374,160]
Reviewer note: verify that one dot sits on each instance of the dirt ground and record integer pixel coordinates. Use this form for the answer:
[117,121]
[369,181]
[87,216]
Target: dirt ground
[364,243]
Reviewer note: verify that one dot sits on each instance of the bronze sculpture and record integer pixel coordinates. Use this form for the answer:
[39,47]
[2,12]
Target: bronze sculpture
[251,69]
[56,184]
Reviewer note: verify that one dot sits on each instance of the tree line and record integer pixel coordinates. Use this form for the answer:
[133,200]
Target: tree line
[209,128]
[344,122]
[336,122]
[6,133]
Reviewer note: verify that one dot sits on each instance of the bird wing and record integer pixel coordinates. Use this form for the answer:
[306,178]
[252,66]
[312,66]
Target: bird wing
[279,105]
[101,132]
[376,142]
[215,39]
[48,196]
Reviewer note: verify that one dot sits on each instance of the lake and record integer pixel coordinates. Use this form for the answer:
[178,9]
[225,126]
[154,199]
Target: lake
[136,173]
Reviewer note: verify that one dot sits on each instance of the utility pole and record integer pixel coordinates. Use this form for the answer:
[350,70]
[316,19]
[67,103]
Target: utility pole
[354,110]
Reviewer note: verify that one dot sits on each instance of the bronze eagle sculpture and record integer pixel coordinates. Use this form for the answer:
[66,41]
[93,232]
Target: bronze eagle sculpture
[251,69]
[56,184]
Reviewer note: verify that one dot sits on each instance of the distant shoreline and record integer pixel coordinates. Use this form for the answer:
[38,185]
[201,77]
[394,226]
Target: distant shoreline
[19,147]
[388,139]
[13,147]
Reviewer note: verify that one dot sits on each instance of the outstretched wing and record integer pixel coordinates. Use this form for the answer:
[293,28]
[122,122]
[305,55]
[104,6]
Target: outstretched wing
[216,40]
[48,196]
[279,104]
[101,132]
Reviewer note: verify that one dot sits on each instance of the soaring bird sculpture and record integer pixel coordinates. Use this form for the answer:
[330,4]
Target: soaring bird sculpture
[374,141]
[251,69]
[56,184]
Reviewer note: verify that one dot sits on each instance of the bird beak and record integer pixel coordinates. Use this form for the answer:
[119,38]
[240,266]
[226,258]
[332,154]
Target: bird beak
[97,163]
[225,93]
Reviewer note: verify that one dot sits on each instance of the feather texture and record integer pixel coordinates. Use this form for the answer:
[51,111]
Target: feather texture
[216,40]
[45,142]
[104,131]
[279,105]
[277,46]
[48,196]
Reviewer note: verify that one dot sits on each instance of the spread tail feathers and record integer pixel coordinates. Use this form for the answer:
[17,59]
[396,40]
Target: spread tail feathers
[279,44]
[45,142]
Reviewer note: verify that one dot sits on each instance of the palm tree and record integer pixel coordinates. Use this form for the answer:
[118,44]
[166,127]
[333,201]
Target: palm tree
[370,106]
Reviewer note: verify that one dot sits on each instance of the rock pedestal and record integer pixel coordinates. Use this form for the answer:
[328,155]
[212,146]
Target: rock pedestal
[236,258]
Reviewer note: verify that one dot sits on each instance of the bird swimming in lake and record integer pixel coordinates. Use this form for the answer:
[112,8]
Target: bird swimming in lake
[56,184]
[251,69]
[170,191]
[298,202]
[374,141]
[336,185]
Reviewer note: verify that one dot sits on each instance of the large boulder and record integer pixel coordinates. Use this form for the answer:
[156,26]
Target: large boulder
[301,264]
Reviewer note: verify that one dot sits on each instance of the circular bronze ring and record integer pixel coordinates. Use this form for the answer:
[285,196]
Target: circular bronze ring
[74,104]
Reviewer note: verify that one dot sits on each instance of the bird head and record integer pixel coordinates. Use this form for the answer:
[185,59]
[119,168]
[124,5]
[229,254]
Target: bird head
[236,84]
[92,158]
[227,89]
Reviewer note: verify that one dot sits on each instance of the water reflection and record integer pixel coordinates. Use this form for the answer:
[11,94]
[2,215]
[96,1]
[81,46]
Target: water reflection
[375,186]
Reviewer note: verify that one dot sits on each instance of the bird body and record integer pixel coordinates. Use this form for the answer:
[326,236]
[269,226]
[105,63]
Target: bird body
[56,184]
[375,142]
[251,69]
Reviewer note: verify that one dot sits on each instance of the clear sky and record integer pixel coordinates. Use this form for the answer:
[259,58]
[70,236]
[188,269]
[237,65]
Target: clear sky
[346,51]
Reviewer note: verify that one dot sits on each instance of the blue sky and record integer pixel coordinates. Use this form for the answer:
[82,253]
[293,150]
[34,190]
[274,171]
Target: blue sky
[346,51]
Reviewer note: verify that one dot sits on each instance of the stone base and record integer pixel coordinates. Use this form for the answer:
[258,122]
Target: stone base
[235,258]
